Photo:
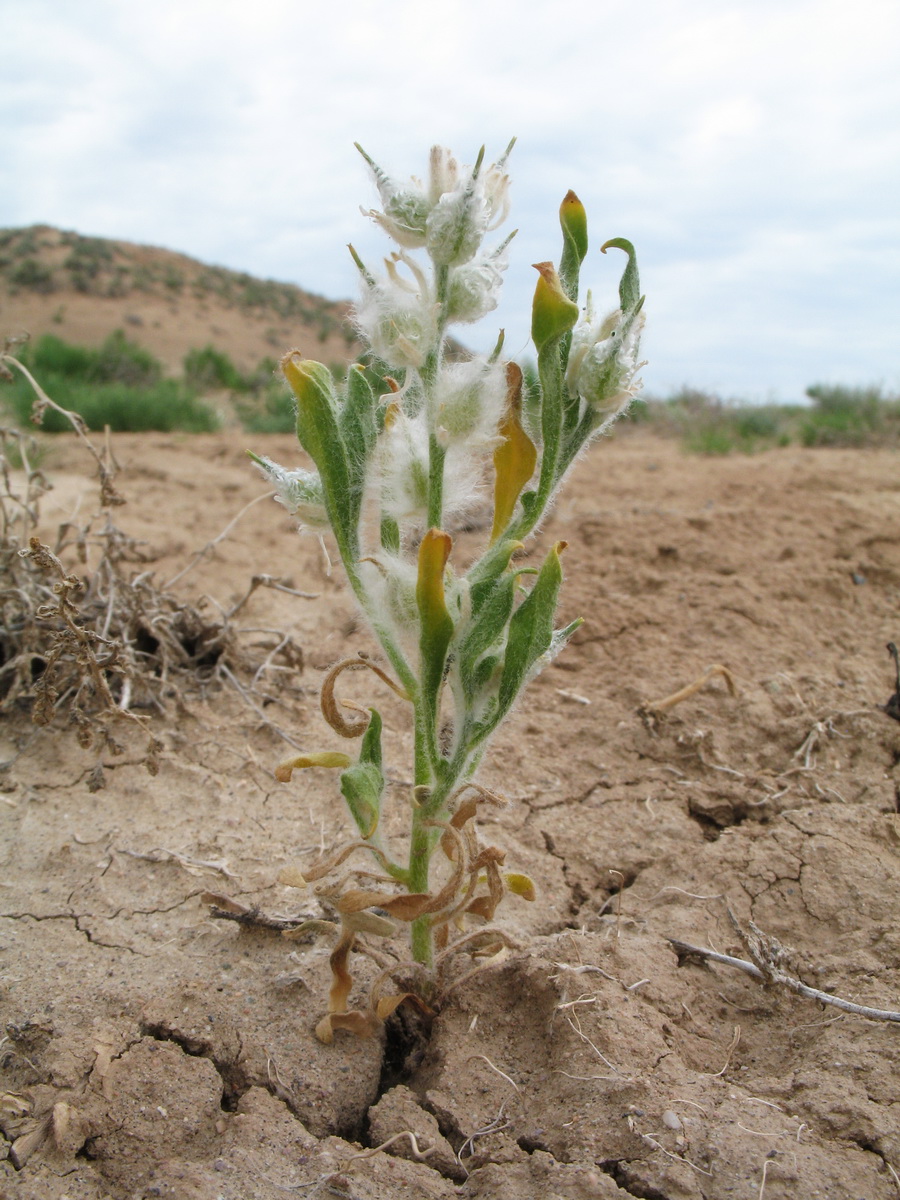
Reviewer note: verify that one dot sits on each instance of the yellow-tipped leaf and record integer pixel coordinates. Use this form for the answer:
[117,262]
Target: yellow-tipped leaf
[516,456]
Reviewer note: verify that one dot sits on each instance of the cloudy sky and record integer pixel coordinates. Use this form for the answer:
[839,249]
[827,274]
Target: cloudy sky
[749,148]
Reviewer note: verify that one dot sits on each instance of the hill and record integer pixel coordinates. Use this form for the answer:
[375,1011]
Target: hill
[84,288]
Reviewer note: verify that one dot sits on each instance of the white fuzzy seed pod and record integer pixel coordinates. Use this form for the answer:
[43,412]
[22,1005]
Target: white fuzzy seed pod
[469,401]
[299,491]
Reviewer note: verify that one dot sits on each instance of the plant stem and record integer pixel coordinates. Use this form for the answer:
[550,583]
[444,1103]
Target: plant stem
[430,371]
[419,862]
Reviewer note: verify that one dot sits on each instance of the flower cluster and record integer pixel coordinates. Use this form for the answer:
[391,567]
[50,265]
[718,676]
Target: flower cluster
[448,217]
[603,360]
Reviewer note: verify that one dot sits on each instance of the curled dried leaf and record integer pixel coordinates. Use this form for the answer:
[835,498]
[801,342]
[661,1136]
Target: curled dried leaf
[405,906]
[460,858]
[468,808]
[225,903]
[322,758]
[341,979]
[325,865]
[520,885]
[486,906]
[307,928]
[389,1004]
[363,1024]
[331,710]
[292,877]
[369,922]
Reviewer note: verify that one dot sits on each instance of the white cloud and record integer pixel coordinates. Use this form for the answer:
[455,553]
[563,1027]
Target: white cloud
[749,148]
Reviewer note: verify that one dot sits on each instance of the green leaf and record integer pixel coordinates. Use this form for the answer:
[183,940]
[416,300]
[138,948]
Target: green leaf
[573,220]
[485,573]
[484,672]
[436,624]
[487,626]
[320,435]
[359,430]
[531,629]
[362,785]
[630,284]
[552,312]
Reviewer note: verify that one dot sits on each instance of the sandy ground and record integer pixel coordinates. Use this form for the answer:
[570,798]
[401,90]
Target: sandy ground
[150,1050]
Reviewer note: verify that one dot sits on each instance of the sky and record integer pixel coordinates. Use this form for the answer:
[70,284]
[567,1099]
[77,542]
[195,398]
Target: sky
[750,149]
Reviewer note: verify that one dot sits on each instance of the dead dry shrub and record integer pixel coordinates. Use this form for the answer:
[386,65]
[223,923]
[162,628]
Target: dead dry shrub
[88,636]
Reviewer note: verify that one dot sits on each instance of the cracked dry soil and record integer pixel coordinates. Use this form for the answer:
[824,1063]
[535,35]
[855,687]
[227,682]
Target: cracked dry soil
[151,1051]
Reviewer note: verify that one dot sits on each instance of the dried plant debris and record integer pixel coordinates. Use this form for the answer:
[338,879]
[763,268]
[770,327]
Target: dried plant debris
[358,905]
[87,634]
[892,707]
[773,964]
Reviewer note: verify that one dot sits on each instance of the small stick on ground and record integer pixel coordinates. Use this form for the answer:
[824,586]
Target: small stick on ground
[658,707]
[223,908]
[687,951]
[418,1155]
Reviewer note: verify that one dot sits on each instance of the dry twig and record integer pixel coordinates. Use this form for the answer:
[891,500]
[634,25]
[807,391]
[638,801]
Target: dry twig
[658,707]
[768,956]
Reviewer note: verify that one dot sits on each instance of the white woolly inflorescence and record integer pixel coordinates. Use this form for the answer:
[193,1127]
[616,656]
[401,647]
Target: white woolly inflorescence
[299,491]
[603,360]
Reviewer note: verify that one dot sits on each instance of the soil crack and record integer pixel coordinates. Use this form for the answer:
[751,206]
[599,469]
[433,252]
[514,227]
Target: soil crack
[616,1169]
[234,1078]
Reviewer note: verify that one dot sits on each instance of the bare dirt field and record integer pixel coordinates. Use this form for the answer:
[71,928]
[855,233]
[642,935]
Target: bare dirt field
[151,1050]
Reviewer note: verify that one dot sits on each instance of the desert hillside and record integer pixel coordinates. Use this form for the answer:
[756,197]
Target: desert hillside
[83,288]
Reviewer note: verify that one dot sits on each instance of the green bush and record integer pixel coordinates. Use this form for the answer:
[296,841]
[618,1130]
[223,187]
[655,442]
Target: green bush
[849,416]
[210,368]
[271,410]
[712,440]
[165,406]
[119,385]
[117,361]
[34,275]
[707,424]
[86,260]
[52,355]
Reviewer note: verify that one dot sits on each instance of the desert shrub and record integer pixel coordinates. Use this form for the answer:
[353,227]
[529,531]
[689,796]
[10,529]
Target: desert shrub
[849,416]
[122,361]
[164,406]
[707,424]
[269,410]
[118,360]
[32,274]
[88,649]
[118,385]
[210,368]
[55,356]
[86,260]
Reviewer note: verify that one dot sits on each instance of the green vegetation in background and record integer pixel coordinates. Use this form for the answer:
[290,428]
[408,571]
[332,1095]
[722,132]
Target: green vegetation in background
[846,416]
[268,410]
[119,385]
[707,424]
[268,405]
[210,369]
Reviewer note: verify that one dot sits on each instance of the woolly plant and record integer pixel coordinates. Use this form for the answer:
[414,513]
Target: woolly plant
[398,453]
